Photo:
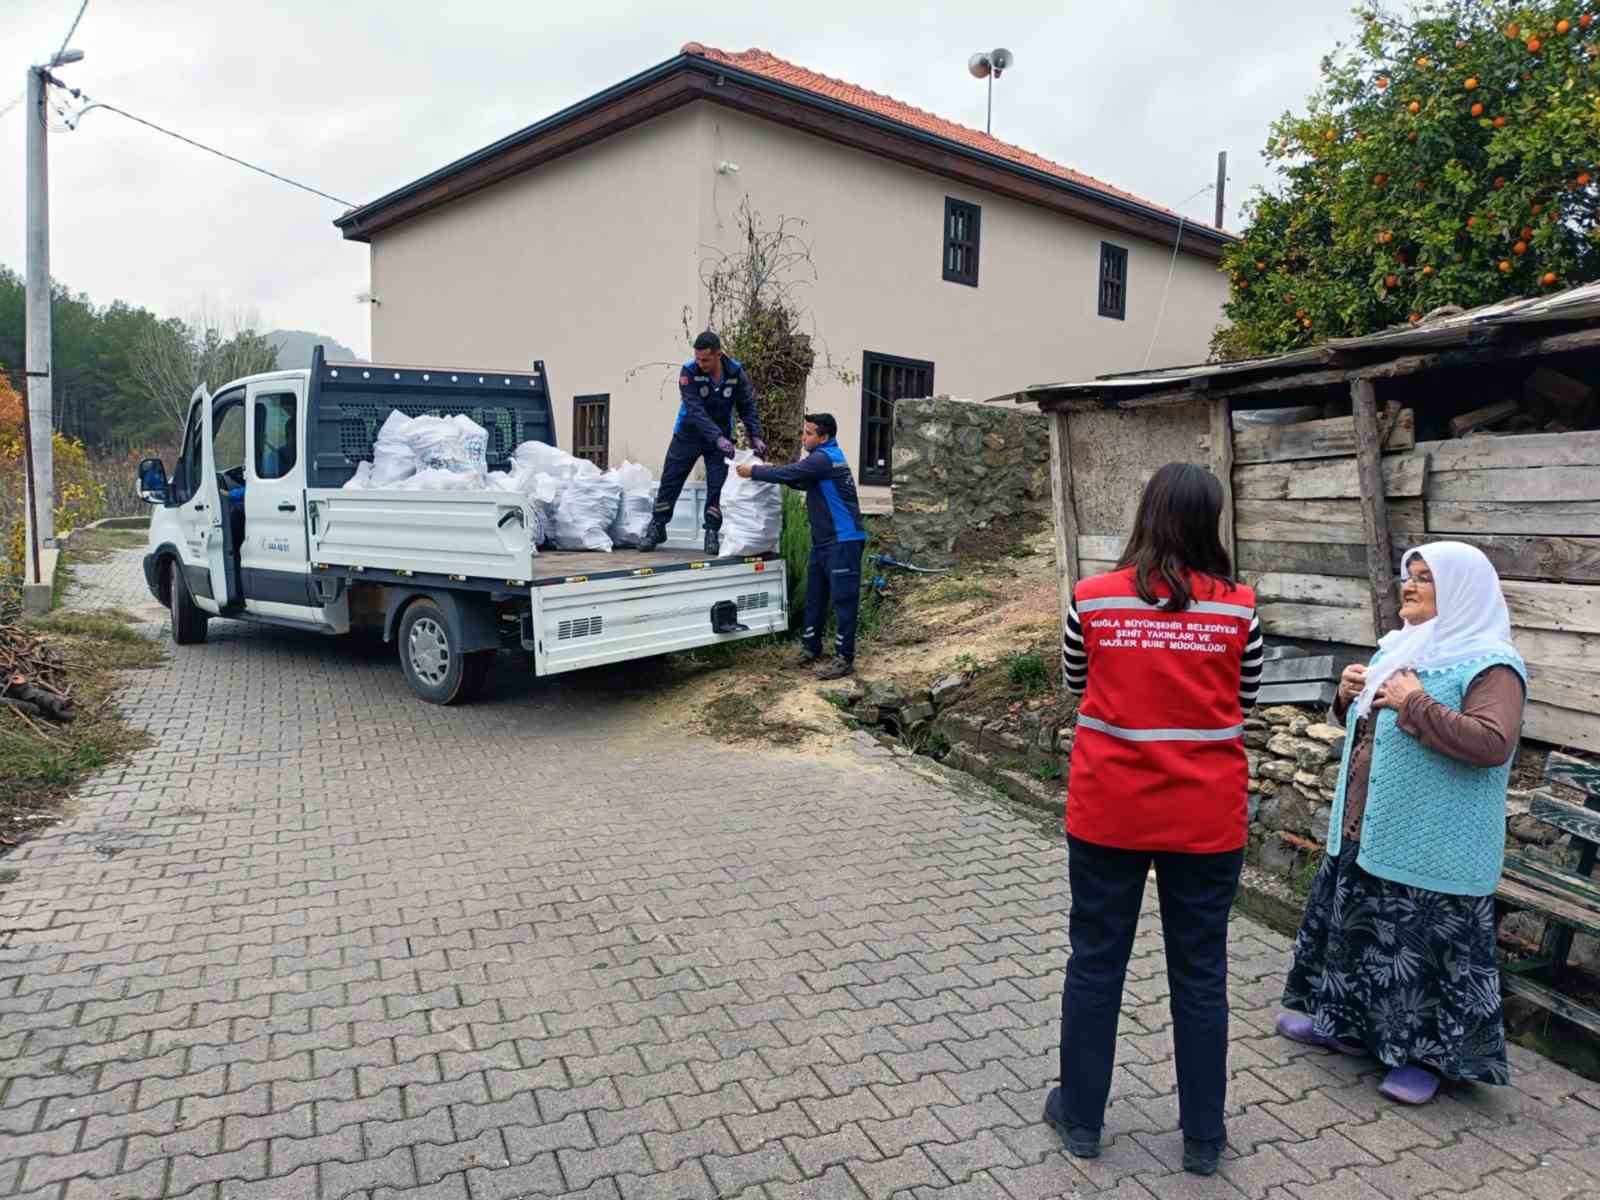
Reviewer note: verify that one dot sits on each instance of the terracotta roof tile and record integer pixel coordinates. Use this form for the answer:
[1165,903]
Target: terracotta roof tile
[762,62]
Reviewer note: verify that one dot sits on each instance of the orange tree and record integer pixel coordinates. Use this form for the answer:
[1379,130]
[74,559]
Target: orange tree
[1449,157]
[80,496]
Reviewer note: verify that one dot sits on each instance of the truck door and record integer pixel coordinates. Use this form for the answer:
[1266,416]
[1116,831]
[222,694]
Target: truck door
[188,497]
[275,571]
[221,477]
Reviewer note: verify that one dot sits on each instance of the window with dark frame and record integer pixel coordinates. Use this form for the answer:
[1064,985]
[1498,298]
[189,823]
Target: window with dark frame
[1113,281]
[961,222]
[885,379]
[591,429]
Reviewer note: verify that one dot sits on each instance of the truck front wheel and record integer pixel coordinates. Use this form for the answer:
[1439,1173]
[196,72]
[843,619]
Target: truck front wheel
[188,621]
[436,667]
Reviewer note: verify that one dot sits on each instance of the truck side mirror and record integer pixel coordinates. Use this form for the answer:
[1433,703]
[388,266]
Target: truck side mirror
[152,481]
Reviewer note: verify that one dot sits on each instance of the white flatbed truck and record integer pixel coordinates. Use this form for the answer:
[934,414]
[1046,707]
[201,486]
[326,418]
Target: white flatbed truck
[450,578]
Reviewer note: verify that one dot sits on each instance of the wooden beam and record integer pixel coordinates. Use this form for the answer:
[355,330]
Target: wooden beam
[1332,438]
[1374,508]
[1572,518]
[1558,559]
[1321,520]
[1258,558]
[1222,468]
[1327,478]
[1580,449]
[1062,509]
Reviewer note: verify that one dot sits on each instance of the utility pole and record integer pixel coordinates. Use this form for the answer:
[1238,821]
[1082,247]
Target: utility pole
[39,508]
[40,489]
[1222,186]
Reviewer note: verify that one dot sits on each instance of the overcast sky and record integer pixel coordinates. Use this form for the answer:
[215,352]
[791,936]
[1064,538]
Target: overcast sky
[361,96]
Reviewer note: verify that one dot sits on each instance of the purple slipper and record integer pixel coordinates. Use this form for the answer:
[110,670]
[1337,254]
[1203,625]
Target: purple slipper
[1298,1027]
[1410,1085]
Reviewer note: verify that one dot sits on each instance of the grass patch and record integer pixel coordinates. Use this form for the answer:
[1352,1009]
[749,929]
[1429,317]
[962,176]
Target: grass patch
[40,761]
[1026,673]
[1047,772]
[96,545]
[956,590]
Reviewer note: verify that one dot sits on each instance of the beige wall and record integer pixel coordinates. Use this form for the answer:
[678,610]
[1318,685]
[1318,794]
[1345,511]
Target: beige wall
[586,263]
[589,261]
[875,230]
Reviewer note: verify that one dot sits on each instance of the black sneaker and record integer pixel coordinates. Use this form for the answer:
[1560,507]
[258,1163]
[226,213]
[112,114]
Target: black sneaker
[1080,1142]
[713,542]
[834,668]
[654,535]
[1200,1158]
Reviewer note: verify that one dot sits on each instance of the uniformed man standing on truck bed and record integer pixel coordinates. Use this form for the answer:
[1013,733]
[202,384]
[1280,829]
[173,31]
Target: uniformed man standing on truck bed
[710,387]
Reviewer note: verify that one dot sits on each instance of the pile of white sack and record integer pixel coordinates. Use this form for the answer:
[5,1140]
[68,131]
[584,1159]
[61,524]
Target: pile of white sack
[576,506]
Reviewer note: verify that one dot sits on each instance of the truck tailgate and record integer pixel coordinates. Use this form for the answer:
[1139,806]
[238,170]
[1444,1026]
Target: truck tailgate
[481,535]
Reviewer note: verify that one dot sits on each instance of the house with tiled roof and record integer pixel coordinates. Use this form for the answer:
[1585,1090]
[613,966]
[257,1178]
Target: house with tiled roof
[946,261]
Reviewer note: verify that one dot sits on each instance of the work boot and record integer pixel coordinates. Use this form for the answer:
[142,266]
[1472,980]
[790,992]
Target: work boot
[1080,1142]
[713,542]
[834,668]
[803,658]
[654,535]
[1200,1158]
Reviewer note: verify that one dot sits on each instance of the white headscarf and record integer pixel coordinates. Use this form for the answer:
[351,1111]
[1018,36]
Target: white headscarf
[1472,621]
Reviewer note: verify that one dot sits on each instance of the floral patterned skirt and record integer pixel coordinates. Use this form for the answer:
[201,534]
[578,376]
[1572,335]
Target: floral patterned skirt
[1406,972]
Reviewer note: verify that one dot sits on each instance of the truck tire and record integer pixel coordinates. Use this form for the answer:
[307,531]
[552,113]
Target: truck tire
[188,621]
[436,667]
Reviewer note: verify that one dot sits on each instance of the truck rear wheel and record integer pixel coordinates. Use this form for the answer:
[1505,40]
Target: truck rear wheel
[188,621]
[436,667]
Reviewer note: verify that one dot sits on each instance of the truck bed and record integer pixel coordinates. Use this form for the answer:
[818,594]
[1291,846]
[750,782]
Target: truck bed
[559,565]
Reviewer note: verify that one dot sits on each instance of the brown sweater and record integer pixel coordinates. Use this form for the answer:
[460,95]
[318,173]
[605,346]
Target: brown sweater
[1482,734]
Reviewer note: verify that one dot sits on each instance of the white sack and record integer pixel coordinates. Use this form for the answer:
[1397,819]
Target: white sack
[638,504]
[362,480]
[541,458]
[588,506]
[438,479]
[393,457]
[441,444]
[752,512]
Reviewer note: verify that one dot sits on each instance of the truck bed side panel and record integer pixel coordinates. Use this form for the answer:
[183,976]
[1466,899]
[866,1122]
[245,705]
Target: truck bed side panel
[477,534]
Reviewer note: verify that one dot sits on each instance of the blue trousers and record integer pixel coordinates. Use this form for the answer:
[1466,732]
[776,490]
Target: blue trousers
[834,574]
[1196,893]
[682,454]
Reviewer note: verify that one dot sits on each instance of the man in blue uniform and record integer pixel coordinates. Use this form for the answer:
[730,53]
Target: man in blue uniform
[838,538]
[710,387]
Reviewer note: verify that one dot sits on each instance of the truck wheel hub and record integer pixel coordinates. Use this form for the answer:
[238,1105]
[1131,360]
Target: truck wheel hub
[430,651]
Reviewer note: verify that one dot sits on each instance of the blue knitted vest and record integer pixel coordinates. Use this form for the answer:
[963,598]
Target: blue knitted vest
[1431,821]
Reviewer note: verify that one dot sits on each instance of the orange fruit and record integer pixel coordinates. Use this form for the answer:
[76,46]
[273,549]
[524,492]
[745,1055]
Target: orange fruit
[1499,181]
[1415,106]
[1537,209]
[1385,238]
[1505,266]
[1477,110]
[1423,61]
[1306,322]
[1586,20]
[1520,248]
[1329,136]
[1533,45]
[1380,179]
[1412,136]
[1548,278]
[1244,285]
[1414,317]
[1512,30]
[1471,221]
[1260,266]
[1527,232]
[1471,84]
[1563,25]
[1499,122]
[1383,82]
[1427,270]
[1583,179]
[1391,281]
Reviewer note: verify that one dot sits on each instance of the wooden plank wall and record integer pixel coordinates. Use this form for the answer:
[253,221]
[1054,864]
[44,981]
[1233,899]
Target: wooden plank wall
[1531,503]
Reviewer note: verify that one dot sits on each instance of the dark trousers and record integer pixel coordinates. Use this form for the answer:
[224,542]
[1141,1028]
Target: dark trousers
[1196,892]
[682,454]
[833,574]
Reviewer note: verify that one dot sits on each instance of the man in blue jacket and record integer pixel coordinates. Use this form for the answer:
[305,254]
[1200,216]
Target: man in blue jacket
[710,387]
[838,538]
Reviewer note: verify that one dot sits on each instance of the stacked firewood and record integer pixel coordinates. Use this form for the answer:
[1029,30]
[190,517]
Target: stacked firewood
[33,677]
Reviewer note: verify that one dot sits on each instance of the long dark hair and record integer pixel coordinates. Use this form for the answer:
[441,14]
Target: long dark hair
[1175,532]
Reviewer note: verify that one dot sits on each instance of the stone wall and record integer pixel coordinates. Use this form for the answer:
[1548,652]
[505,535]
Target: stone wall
[960,466]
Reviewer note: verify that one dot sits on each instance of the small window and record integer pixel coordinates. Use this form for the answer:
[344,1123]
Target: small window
[591,429]
[961,241]
[227,433]
[886,378]
[188,468]
[275,441]
[1113,281]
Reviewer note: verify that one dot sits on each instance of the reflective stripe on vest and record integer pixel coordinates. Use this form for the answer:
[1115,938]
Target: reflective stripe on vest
[1160,735]
[1210,607]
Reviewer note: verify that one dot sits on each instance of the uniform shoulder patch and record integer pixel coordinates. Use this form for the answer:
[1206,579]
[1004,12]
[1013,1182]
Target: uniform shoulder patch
[683,379]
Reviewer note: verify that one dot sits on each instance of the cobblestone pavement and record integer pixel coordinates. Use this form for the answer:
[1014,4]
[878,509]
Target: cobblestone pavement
[324,940]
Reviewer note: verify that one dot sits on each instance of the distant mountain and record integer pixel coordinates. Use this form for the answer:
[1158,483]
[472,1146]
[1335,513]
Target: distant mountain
[295,347]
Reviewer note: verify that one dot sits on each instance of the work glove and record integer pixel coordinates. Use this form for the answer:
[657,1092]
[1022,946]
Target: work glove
[724,445]
[759,446]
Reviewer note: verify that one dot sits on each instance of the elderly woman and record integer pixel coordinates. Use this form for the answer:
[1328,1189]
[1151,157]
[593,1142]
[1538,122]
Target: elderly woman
[1396,952]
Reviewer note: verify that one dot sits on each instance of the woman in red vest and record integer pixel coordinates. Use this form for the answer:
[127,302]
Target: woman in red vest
[1166,653]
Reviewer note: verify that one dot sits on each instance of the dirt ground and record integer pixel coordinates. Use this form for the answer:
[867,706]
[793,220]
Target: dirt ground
[999,603]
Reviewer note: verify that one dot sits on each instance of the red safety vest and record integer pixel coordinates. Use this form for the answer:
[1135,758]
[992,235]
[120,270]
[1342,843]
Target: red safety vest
[1158,758]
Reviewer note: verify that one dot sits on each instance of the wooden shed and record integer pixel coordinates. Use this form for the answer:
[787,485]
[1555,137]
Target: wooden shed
[1480,426]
